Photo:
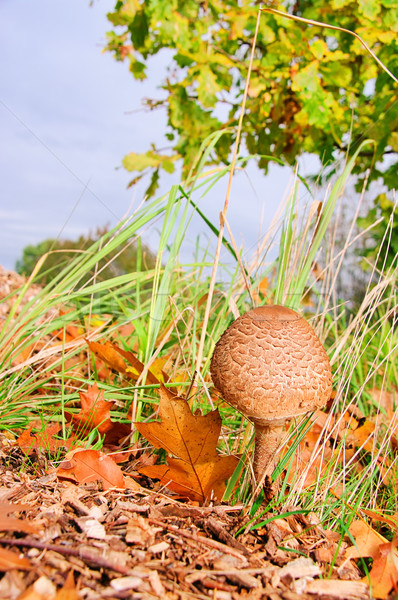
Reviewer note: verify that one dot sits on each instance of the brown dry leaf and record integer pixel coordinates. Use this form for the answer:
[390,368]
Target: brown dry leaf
[10,523]
[198,469]
[69,591]
[11,560]
[390,520]
[71,332]
[157,367]
[83,466]
[136,365]
[386,400]
[43,440]
[95,412]
[367,540]
[384,573]
[20,356]
[126,330]
[362,436]
[106,352]
[111,354]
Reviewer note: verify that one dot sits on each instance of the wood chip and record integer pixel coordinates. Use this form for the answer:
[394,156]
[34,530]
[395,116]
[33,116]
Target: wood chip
[125,583]
[300,567]
[346,590]
[92,528]
[160,547]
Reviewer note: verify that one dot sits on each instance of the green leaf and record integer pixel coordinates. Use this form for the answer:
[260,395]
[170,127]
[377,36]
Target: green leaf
[138,29]
[207,86]
[311,89]
[139,162]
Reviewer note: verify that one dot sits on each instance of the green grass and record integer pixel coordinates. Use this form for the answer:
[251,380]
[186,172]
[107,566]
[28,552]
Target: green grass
[167,308]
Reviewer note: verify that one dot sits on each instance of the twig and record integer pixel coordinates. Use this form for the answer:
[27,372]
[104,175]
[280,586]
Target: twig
[200,539]
[219,530]
[100,561]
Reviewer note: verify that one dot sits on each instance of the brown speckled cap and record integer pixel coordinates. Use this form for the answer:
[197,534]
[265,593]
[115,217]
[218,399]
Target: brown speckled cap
[270,365]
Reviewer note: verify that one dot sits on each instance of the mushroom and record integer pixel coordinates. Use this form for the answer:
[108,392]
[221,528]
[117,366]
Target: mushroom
[271,366]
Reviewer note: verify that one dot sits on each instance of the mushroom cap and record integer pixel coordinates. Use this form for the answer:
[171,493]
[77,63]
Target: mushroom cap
[270,365]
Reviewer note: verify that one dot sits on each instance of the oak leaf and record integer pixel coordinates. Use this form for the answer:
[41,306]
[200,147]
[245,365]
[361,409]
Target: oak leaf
[84,466]
[43,439]
[369,543]
[198,470]
[95,412]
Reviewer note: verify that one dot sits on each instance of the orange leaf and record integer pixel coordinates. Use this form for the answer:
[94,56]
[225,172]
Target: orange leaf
[10,523]
[12,560]
[198,469]
[362,436]
[390,520]
[384,573]
[69,591]
[111,354]
[42,440]
[136,364]
[95,412]
[367,540]
[106,352]
[85,466]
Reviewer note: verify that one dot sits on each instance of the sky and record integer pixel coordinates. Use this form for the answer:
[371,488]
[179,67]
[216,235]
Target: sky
[68,115]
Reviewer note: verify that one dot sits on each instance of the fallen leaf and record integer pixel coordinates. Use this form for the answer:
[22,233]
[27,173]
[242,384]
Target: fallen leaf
[69,591]
[111,354]
[384,573]
[84,466]
[106,352]
[390,520]
[369,543]
[385,400]
[43,439]
[367,540]
[11,523]
[363,436]
[70,332]
[12,560]
[198,471]
[95,412]
[137,365]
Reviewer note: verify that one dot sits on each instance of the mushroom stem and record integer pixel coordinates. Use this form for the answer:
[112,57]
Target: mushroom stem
[267,440]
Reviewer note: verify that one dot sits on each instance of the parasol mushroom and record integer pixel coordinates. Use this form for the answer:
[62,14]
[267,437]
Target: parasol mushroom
[271,366]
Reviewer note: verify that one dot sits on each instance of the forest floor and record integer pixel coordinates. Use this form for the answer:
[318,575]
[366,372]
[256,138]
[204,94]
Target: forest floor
[81,542]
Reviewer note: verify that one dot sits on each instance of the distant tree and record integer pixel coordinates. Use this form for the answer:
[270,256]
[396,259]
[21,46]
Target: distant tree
[312,89]
[122,260]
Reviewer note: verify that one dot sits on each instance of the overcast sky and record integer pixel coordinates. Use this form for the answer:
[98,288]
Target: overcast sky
[68,115]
